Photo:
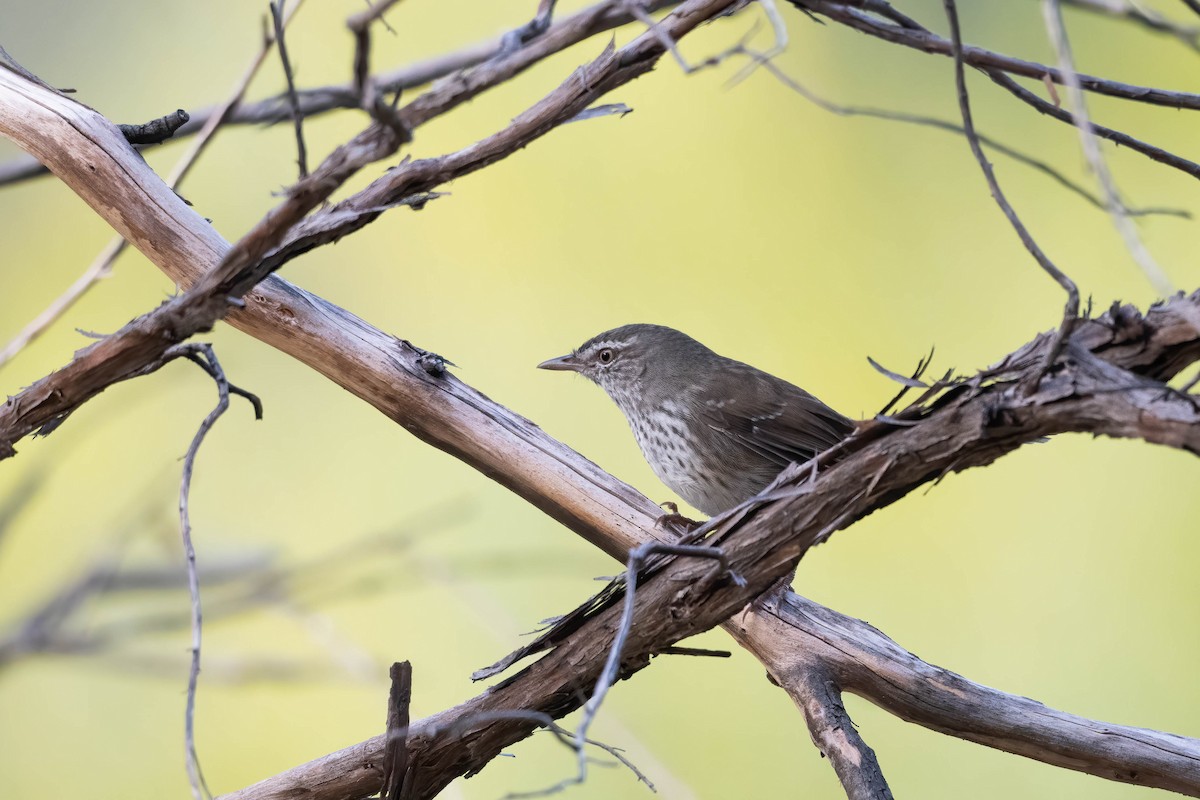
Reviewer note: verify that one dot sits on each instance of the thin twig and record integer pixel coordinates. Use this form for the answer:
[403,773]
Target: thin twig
[195,774]
[946,125]
[224,113]
[561,735]
[1116,207]
[998,67]
[655,28]
[1120,138]
[1071,309]
[663,37]
[920,38]
[1057,32]
[99,268]
[516,39]
[612,666]
[293,98]
[369,97]
[757,59]
[1145,17]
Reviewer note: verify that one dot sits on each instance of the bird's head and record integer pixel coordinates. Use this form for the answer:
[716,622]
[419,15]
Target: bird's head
[632,360]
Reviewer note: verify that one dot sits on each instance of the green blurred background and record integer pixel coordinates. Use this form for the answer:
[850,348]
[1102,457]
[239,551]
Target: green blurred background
[769,229]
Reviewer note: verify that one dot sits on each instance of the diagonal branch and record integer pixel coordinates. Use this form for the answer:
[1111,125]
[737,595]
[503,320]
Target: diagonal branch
[918,38]
[1109,384]
[143,343]
[1071,309]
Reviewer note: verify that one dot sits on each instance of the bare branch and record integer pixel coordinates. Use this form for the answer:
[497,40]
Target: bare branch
[982,418]
[600,17]
[997,67]
[1145,17]
[1111,134]
[213,368]
[139,347]
[49,401]
[945,125]
[612,664]
[1071,310]
[293,100]
[796,633]
[919,38]
[819,699]
[101,267]
[1091,150]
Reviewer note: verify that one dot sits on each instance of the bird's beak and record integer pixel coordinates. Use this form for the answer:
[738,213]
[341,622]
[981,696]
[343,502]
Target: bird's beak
[567,363]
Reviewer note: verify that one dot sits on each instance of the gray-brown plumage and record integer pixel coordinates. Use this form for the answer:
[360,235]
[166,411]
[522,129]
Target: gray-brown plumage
[715,430]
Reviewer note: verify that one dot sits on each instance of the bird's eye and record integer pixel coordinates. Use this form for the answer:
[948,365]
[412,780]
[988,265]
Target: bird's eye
[606,355]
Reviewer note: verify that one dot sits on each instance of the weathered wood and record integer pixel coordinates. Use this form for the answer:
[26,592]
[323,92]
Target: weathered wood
[973,425]
[865,662]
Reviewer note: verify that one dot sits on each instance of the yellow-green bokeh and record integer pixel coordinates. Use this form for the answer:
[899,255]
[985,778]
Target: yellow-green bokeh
[773,231]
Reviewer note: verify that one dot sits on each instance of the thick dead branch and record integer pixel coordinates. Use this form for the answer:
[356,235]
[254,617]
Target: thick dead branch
[1108,383]
[142,344]
[862,660]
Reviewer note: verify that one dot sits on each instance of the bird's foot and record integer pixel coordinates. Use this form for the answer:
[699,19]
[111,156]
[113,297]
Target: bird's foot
[674,522]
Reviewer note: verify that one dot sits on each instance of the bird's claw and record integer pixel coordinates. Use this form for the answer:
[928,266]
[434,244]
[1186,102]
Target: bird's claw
[673,521]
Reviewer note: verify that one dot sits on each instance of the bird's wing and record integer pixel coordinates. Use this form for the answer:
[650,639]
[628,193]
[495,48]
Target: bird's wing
[775,419]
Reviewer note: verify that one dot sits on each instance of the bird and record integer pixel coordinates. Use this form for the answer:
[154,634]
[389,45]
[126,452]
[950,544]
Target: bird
[714,430]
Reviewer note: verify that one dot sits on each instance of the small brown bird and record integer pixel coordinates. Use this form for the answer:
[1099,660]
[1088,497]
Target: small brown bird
[716,431]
